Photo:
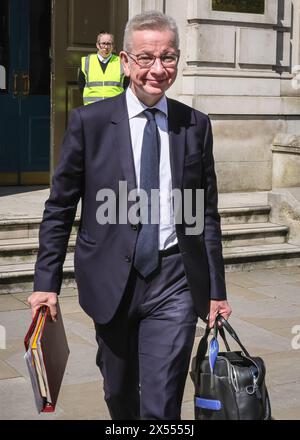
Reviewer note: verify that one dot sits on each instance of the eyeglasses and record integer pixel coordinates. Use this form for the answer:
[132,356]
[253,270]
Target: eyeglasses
[104,44]
[146,60]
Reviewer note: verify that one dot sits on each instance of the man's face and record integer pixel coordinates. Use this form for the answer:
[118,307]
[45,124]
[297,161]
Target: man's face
[149,84]
[105,45]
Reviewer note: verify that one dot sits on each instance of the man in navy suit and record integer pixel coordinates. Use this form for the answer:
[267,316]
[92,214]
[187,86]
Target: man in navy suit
[144,284]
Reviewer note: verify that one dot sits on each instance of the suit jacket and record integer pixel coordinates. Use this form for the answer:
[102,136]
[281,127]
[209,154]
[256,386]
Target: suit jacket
[96,154]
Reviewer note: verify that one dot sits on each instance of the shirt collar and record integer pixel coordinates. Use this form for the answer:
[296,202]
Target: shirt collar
[104,60]
[136,107]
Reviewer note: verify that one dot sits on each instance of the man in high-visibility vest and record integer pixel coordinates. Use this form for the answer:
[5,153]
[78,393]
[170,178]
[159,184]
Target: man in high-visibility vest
[101,75]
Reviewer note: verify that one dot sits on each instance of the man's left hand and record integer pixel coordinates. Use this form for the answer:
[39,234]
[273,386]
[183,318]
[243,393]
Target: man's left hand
[218,308]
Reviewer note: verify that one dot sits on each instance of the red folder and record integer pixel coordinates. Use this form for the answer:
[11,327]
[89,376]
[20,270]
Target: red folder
[46,356]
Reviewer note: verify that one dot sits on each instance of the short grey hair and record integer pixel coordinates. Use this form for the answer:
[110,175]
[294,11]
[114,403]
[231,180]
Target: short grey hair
[153,20]
[105,33]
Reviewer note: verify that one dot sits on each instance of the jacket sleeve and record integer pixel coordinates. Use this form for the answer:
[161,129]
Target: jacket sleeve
[60,209]
[212,228]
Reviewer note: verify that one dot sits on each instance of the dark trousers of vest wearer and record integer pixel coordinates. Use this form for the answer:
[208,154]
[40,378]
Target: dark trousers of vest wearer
[144,352]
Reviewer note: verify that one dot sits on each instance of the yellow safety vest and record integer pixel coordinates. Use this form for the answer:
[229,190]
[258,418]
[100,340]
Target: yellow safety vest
[99,85]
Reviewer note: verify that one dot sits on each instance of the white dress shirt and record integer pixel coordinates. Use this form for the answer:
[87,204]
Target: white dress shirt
[104,60]
[137,122]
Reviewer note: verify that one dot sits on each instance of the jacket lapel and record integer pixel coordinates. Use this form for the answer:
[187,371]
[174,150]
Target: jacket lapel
[177,145]
[122,139]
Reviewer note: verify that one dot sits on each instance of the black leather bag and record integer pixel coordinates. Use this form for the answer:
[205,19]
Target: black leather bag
[228,385]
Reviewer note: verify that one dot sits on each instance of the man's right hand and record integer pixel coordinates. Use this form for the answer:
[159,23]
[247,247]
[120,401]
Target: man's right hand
[38,299]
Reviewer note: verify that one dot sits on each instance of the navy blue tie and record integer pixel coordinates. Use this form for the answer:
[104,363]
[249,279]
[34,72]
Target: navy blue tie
[146,253]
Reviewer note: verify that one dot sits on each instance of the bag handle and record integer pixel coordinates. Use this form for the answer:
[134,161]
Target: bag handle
[260,369]
[203,344]
[232,333]
[222,334]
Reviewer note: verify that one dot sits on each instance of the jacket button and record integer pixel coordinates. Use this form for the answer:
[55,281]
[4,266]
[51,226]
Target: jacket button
[127,259]
[134,227]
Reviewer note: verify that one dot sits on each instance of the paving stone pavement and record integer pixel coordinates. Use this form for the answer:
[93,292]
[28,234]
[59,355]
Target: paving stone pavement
[266,311]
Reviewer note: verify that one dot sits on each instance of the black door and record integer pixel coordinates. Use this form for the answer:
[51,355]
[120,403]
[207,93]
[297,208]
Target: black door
[25,101]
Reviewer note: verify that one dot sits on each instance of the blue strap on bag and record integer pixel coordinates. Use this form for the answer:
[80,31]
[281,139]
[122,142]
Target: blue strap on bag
[214,405]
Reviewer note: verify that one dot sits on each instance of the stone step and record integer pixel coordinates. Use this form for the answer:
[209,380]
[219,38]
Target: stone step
[19,228]
[24,227]
[18,278]
[261,256]
[245,214]
[253,234]
[238,199]
[23,250]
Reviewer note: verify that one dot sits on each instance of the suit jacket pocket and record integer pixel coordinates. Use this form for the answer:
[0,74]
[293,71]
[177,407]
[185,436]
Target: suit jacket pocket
[191,158]
[83,235]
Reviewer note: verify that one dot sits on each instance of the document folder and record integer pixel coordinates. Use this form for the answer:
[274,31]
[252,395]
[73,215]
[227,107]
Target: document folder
[46,357]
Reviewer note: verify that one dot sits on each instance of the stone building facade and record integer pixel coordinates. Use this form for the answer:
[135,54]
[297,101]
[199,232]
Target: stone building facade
[243,69]
[240,63]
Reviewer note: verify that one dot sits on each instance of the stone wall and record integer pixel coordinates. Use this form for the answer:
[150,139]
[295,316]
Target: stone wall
[240,68]
[286,161]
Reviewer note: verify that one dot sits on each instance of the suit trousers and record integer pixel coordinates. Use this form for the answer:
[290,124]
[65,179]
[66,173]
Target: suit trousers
[144,351]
